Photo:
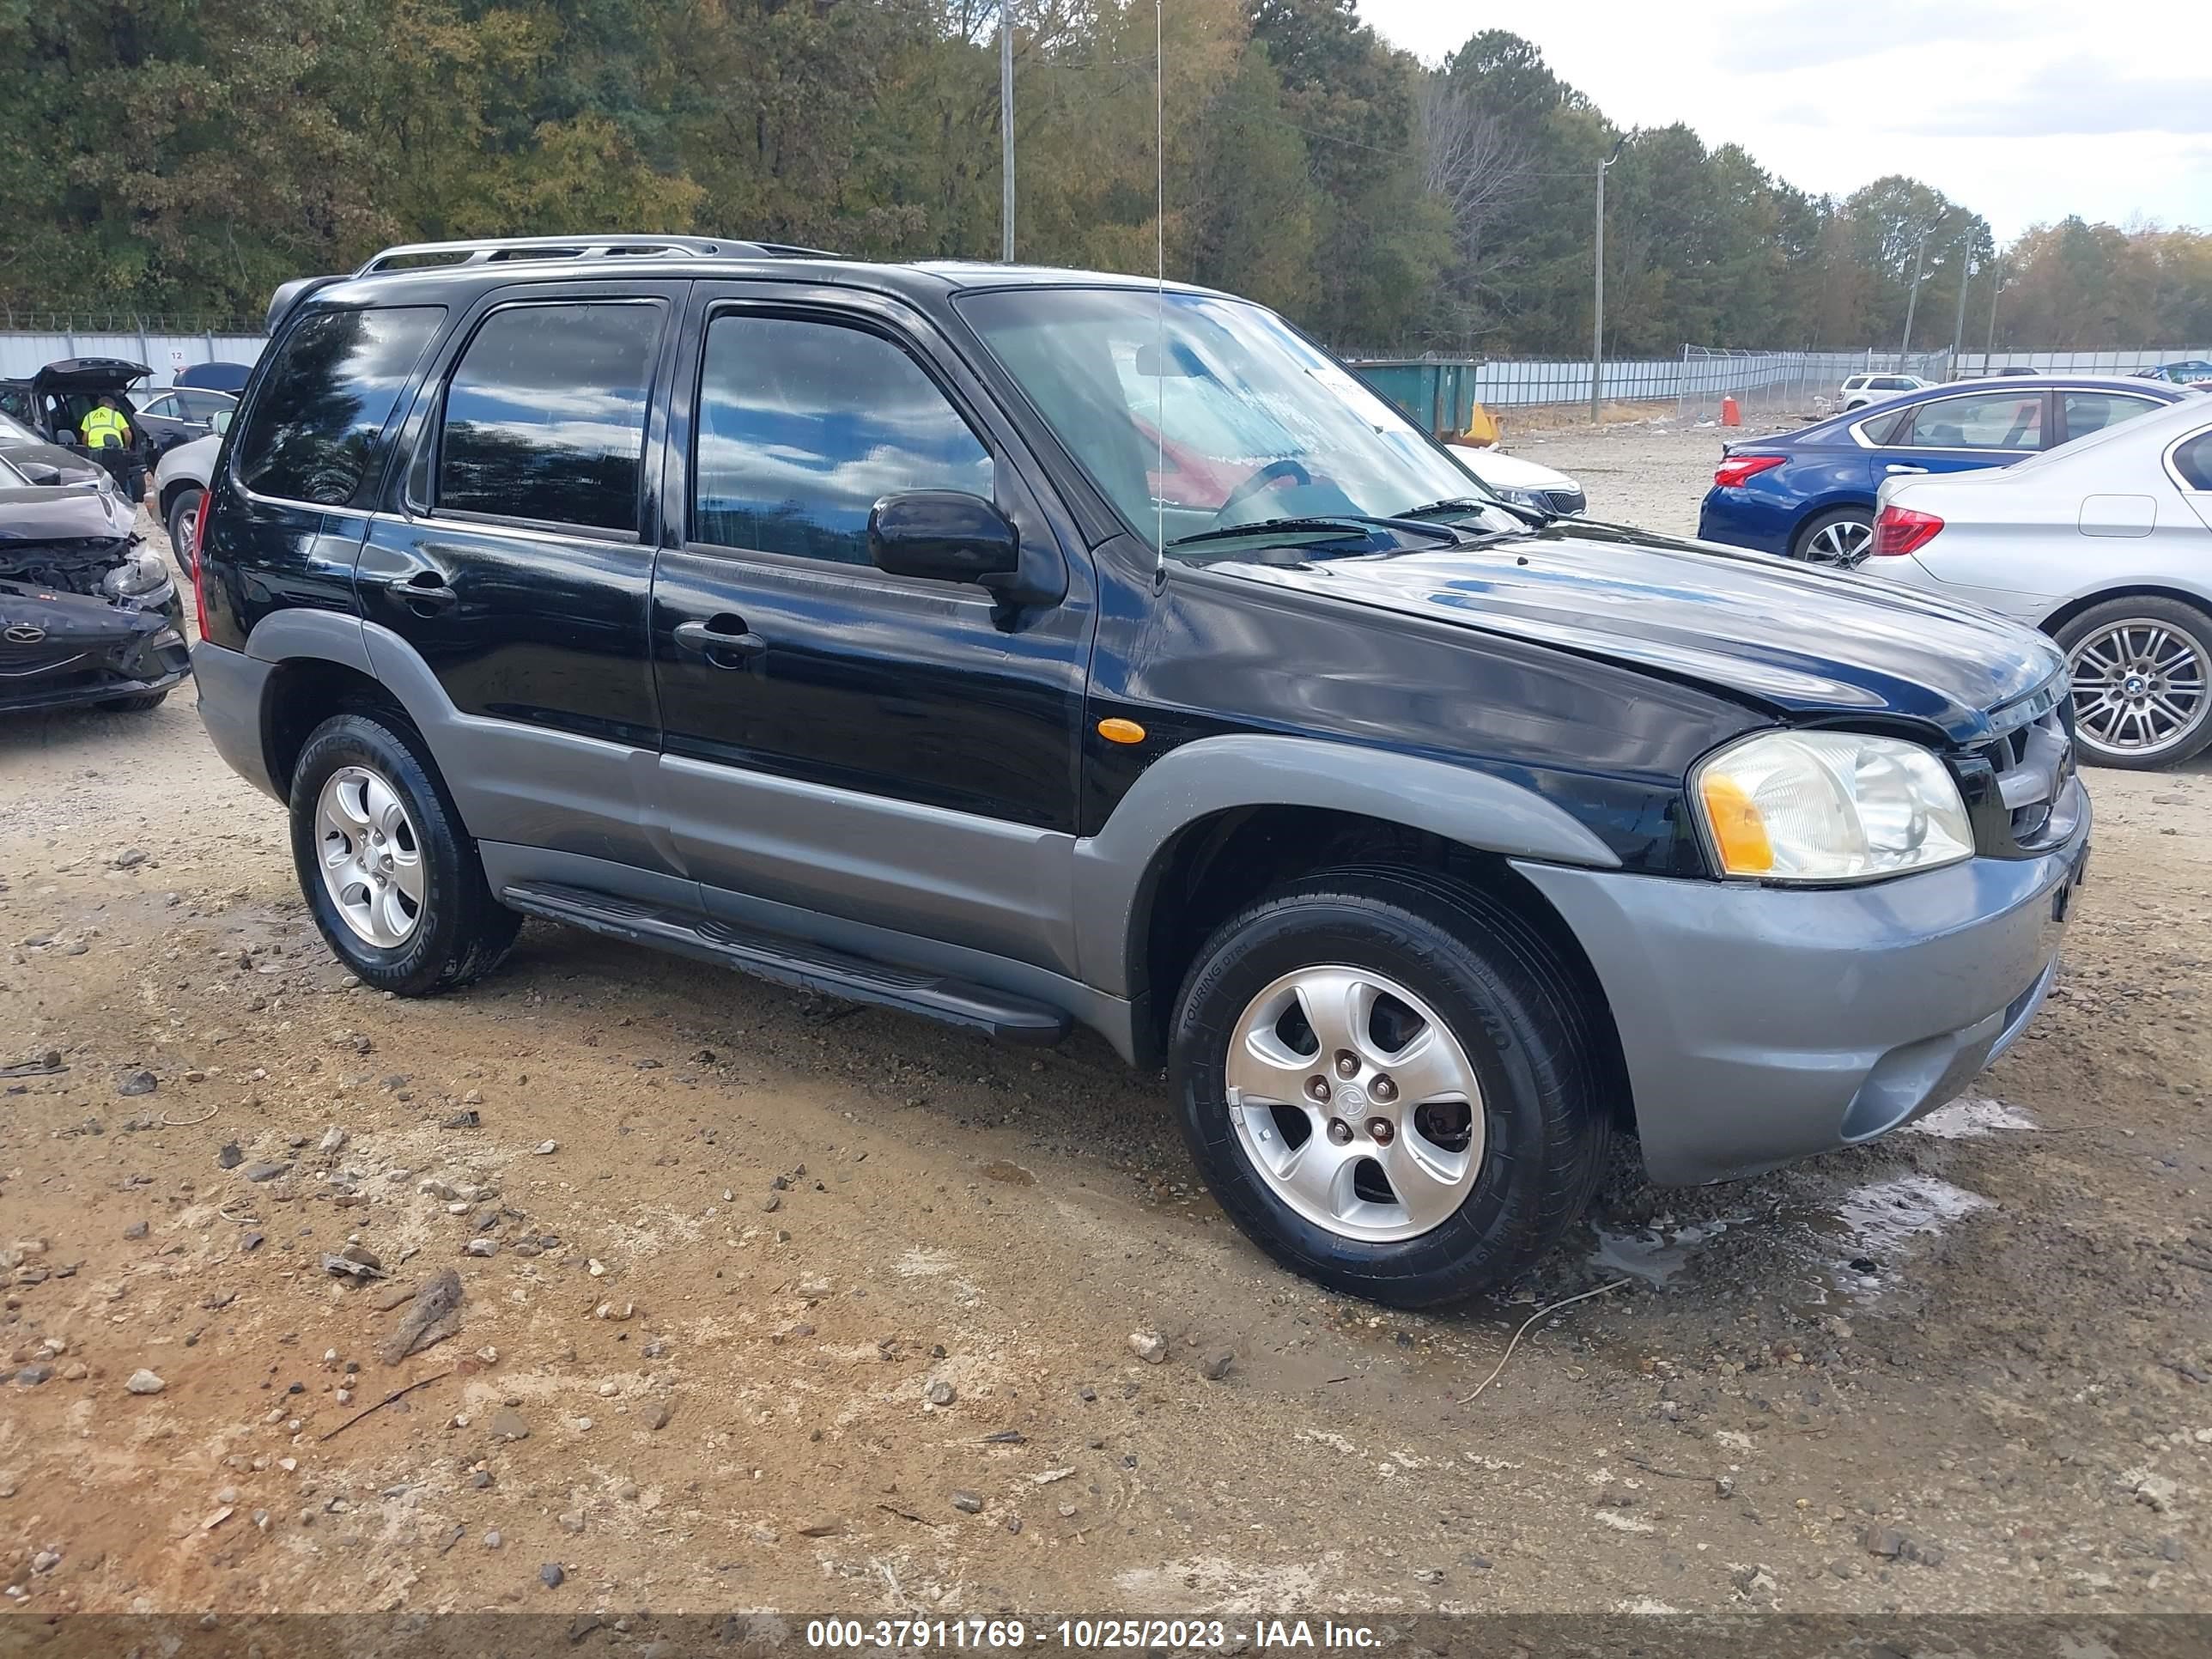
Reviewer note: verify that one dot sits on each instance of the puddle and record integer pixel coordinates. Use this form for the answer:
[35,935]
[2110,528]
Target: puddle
[1654,1255]
[1970,1117]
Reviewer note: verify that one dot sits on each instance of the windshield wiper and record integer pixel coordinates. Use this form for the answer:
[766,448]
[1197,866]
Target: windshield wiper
[1526,514]
[1321,521]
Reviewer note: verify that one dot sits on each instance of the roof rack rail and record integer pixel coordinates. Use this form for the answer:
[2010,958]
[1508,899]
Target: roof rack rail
[503,249]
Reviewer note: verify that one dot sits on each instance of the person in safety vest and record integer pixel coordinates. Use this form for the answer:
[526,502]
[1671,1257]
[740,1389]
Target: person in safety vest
[105,425]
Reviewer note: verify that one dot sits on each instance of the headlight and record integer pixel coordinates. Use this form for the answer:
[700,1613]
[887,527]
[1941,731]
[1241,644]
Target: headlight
[141,572]
[1520,497]
[1830,806]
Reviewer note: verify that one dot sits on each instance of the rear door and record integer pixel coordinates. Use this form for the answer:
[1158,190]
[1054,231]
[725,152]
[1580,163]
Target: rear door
[895,751]
[516,565]
[1962,432]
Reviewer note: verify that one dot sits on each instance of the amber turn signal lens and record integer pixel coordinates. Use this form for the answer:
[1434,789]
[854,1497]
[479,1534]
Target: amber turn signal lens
[1118,731]
[1738,829]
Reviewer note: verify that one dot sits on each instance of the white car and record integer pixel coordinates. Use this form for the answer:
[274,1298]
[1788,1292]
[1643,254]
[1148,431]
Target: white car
[1520,480]
[2103,542]
[180,480]
[1860,390]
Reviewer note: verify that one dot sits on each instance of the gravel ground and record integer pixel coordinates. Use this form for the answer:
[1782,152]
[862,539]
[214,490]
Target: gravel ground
[769,1302]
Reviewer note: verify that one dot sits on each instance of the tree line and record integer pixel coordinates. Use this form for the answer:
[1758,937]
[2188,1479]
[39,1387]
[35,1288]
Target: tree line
[185,156]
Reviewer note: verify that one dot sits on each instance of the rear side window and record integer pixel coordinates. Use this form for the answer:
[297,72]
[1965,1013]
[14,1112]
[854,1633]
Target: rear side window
[2093,412]
[803,426]
[2193,461]
[334,384]
[545,414]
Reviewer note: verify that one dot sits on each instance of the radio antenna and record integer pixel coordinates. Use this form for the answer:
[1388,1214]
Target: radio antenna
[1160,278]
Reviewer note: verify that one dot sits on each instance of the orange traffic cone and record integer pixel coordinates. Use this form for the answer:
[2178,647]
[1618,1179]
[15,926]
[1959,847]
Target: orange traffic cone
[1730,415]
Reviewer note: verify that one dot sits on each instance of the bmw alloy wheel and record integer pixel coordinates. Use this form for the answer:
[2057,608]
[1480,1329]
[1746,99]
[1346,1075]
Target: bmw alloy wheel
[2139,688]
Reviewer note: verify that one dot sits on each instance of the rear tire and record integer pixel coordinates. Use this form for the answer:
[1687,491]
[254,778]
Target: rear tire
[386,867]
[1841,538]
[1451,1197]
[2142,681]
[184,515]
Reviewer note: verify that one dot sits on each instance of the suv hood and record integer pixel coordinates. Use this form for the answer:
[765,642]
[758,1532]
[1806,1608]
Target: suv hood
[1803,643]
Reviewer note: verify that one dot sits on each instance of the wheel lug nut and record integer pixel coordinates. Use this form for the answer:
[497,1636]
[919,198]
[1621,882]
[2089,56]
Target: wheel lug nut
[1347,1065]
[1317,1088]
[1340,1131]
[1380,1130]
[1382,1089]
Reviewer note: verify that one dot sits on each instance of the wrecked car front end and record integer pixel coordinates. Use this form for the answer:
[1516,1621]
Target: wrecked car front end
[87,614]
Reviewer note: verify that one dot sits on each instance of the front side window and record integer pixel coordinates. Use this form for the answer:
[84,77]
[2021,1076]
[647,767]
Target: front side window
[334,384]
[804,426]
[2093,412]
[1998,420]
[164,405]
[1196,415]
[545,414]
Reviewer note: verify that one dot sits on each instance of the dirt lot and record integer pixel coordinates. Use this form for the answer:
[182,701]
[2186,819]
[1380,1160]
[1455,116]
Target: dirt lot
[782,1304]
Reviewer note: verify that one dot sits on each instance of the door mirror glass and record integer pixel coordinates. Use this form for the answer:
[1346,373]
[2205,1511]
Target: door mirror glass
[945,534]
[220,421]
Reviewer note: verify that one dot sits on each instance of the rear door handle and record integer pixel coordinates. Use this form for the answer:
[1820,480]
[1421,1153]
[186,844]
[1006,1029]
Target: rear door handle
[1895,467]
[724,642]
[427,591]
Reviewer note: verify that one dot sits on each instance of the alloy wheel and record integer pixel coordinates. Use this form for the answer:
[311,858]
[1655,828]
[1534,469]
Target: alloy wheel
[1843,543]
[2139,688]
[370,857]
[1355,1102]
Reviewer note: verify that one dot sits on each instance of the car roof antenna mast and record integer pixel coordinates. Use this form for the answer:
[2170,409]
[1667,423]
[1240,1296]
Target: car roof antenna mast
[1160,280]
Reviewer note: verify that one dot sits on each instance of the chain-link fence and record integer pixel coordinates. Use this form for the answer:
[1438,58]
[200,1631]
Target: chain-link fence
[1780,385]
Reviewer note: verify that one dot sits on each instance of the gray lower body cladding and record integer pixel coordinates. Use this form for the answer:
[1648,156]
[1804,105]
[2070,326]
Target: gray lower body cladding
[1764,1024]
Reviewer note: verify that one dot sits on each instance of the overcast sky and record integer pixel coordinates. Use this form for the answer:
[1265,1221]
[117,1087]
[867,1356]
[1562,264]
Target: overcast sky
[2022,110]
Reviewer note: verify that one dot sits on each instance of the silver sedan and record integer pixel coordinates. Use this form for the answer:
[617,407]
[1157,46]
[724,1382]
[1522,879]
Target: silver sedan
[2106,544]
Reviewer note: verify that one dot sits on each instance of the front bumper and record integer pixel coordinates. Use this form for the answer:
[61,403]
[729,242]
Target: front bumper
[1764,1024]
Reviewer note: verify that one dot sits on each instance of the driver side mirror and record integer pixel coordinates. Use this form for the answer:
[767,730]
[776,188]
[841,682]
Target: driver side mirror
[945,534]
[39,473]
[219,421]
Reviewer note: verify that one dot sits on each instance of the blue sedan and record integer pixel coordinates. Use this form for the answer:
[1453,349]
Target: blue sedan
[1810,493]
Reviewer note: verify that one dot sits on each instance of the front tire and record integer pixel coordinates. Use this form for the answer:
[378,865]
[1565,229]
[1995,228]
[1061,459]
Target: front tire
[1416,1117]
[2142,681]
[1840,537]
[386,867]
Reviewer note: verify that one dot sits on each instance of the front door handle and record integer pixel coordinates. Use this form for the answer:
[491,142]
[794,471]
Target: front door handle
[1895,467]
[724,642]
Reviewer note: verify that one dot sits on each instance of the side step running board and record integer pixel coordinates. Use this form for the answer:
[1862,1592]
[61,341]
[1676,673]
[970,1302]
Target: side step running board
[794,963]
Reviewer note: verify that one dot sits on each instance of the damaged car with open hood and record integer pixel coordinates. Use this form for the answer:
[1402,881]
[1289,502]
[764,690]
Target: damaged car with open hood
[87,614]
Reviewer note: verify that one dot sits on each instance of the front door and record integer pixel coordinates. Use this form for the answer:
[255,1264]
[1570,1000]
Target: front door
[518,565]
[1964,432]
[898,752]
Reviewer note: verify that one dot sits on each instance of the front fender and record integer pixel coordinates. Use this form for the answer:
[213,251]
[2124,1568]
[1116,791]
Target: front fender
[1117,870]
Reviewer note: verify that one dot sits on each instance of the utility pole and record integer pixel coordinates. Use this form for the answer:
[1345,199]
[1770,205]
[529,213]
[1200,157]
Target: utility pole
[1912,299]
[1959,325]
[1996,286]
[1006,135]
[1597,311]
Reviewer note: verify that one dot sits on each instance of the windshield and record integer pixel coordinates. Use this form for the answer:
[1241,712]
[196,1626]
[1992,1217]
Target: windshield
[1195,415]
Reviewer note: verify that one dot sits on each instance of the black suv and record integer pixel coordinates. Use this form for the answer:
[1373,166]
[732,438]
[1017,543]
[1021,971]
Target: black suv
[916,634]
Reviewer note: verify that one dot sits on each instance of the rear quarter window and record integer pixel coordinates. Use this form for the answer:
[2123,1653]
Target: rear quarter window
[336,379]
